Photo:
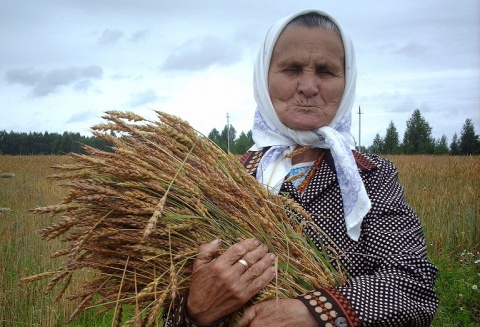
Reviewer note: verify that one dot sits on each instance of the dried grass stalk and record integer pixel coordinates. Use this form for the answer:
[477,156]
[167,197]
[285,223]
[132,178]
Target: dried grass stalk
[137,215]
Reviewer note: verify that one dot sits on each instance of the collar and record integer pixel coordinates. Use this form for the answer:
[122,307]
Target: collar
[252,158]
[363,162]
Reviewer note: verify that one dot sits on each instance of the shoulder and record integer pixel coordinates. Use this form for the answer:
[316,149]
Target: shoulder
[378,173]
[372,161]
[251,159]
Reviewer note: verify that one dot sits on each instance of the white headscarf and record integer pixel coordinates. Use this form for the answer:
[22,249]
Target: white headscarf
[268,131]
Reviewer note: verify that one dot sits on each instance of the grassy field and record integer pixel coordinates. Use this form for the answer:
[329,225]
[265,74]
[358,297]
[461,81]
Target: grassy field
[444,191]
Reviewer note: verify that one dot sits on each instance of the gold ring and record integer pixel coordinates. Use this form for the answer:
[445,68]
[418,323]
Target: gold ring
[244,263]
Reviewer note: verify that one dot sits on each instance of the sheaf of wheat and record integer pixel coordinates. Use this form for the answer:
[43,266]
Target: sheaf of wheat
[135,217]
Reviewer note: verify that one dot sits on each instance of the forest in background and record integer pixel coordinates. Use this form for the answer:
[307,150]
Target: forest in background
[417,139]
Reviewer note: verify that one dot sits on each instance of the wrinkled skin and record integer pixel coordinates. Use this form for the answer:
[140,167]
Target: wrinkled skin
[220,285]
[306,77]
[281,313]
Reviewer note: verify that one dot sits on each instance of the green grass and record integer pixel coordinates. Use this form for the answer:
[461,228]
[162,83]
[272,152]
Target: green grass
[458,288]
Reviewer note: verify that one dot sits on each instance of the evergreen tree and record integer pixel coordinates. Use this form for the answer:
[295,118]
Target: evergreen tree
[455,146]
[377,145]
[441,146]
[417,138]
[66,143]
[469,142]
[243,143]
[228,137]
[22,142]
[390,142]
[225,138]
[3,136]
[362,148]
[214,135]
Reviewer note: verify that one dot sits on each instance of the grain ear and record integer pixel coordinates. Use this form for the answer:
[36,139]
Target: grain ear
[137,215]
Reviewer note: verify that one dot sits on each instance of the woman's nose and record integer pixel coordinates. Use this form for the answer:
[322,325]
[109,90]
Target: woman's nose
[307,85]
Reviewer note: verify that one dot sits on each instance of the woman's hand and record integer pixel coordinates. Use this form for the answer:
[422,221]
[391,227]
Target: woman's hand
[281,313]
[220,286]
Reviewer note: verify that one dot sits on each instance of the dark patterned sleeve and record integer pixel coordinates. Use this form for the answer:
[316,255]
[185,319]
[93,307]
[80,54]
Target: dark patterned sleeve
[330,308]
[398,289]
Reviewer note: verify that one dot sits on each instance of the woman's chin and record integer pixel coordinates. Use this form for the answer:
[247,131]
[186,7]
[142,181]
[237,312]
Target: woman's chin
[305,125]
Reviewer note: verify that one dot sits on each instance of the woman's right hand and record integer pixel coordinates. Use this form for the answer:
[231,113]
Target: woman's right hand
[222,285]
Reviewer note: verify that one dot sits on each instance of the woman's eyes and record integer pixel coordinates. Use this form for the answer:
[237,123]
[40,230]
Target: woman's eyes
[321,71]
[293,69]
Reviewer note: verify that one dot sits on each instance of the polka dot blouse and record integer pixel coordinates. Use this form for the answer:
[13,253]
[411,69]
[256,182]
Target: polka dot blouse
[391,282]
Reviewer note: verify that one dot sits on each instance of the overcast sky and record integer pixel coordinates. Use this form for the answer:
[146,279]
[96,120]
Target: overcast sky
[65,62]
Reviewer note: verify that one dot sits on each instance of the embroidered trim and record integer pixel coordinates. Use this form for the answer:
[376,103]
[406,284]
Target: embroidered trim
[330,308]
[363,162]
[251,159]
[303,185]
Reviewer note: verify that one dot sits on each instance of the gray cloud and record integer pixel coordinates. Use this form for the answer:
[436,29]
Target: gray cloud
[83,85]
[110,36]
[142,98]
[138,35]
[203,53]
[43,83]
[405,105]
[413,49]
[82,116]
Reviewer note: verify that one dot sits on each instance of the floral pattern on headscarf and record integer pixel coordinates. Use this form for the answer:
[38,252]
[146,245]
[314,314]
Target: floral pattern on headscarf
[268,131]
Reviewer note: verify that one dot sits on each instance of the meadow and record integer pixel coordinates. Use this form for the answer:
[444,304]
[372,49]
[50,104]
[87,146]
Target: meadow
[443,190]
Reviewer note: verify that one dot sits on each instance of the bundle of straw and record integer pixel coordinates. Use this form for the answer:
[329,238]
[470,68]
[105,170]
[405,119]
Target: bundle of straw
[137,215]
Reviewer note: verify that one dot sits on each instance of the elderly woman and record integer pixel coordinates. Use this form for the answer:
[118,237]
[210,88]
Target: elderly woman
[304,88]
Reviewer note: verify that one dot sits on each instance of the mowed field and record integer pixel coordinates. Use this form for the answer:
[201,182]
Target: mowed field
[443,190]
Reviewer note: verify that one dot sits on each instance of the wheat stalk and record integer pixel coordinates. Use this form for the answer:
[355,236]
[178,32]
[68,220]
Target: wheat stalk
[137,215]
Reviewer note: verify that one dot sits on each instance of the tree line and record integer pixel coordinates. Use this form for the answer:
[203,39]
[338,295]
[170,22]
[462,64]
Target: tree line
[47,143]
[227,139]
[417,139]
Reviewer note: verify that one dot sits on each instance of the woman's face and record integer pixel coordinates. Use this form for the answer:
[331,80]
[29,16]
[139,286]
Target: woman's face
[306,78]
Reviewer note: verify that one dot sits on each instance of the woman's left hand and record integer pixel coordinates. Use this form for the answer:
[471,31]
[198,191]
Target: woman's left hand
[281,313]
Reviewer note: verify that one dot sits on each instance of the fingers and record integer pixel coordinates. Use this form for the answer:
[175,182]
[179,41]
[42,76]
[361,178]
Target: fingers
[244,263]
[259,275]
[249,258]
[246,267]
[253,256]
[222,284]
[249,251]
[239,250]
[247,317]
[250,261]
[206,253]
[259,272]
[256,270]
[287,312]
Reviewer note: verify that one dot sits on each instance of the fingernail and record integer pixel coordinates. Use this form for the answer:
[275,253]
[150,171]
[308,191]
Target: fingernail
[272,256]
[256,242]
[216,242]
[272,269]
